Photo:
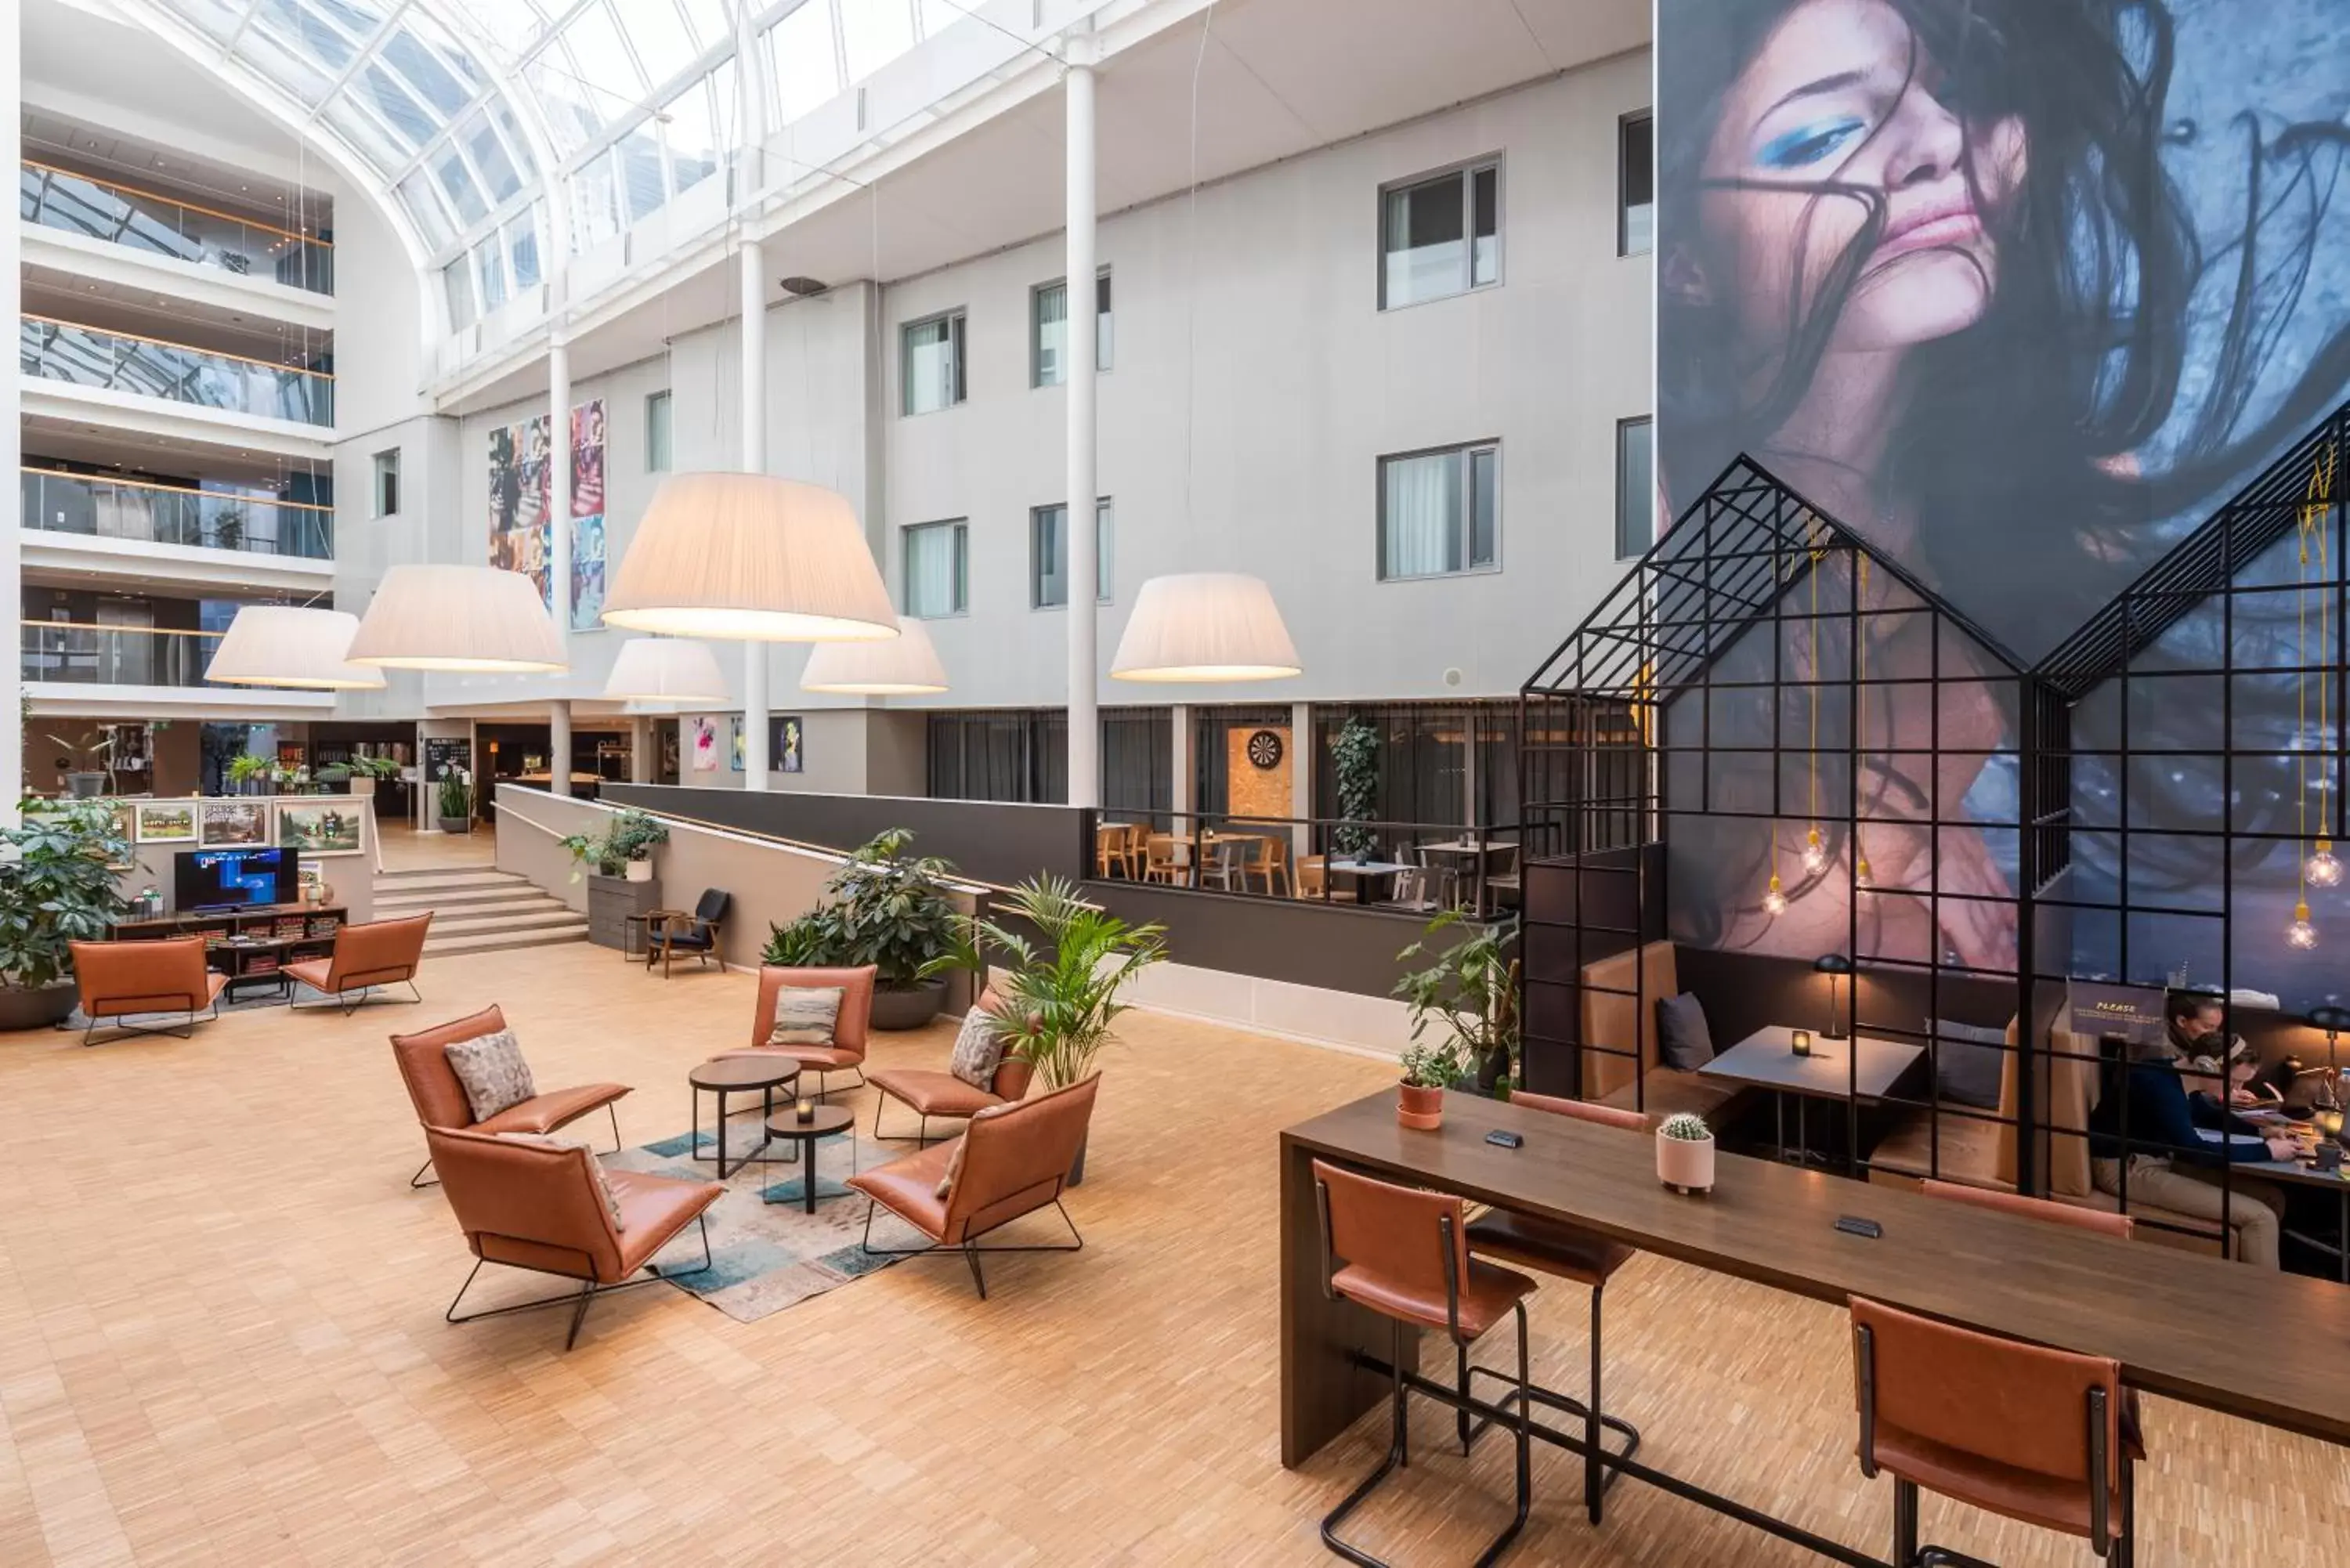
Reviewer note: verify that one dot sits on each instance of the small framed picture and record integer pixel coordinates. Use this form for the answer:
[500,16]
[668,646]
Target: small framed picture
[165,821]
[221,822]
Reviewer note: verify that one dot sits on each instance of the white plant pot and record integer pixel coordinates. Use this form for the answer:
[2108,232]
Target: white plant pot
[640,870]
[1685,1164]
[362,784]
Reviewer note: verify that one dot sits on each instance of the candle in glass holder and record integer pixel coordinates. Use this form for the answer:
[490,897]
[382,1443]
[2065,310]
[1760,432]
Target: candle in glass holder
[804,1110]
[1801,1039]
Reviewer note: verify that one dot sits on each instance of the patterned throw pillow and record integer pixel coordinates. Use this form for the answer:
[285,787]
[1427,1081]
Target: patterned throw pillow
[945,1188]
[978,1049]
[805,1015]
[492,1071]
[544,1140]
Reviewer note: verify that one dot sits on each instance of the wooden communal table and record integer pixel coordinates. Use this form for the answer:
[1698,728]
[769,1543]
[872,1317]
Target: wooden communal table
[2171,1318]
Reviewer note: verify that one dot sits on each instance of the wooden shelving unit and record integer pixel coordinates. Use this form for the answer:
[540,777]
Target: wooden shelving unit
[252,945]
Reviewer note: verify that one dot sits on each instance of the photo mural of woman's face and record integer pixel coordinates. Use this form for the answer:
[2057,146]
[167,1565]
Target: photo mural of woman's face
[2018,292]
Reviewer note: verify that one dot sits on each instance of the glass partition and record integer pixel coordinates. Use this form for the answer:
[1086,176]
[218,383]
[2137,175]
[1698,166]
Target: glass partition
[124,215]
[81,654]
[86,356]
[168,514]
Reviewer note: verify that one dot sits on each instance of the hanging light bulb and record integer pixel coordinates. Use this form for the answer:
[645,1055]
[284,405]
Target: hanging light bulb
[2322,868]
[1815,853]
[1774,902]
[2301,933]
[1861,876]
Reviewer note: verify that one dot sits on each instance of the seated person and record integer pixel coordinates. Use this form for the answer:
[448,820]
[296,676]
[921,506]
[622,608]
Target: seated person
[2249,1088]
[2171,1163]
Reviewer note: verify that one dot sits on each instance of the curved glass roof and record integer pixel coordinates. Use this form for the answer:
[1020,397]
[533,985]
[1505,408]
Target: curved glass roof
[465,109]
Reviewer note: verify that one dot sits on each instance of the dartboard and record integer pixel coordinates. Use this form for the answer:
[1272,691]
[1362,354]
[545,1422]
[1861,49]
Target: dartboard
[1264,749]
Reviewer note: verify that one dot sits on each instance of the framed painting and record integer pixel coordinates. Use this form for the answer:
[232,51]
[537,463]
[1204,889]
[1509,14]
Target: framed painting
[164,822]
[331,827]
[223,823]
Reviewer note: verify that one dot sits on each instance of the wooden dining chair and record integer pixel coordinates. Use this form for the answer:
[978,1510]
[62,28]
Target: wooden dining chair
[1271,862]
[1137,848]
[1159,861]
[1109,846]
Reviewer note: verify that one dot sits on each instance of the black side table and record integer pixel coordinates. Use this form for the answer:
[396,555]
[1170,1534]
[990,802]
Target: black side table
[828,1120]
[724,1075]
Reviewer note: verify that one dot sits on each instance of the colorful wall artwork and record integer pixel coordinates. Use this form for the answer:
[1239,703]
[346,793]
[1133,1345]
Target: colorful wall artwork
[522,536]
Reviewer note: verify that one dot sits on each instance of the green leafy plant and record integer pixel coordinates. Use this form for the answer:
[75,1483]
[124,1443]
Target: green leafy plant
[359,768]
[632,836]
[1061,990]
[251,765]
[454,797]
[1685,1126]
[1436,1064]
[92,756]
[883,907]
[1355,752]
[1467,993]
[58,888]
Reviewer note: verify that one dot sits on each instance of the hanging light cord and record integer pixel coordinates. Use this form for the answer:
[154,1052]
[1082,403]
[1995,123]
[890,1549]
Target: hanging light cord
[1192,259]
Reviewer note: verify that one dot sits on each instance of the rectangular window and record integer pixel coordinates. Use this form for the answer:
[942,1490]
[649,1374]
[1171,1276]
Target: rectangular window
[1440,512]
[1635,186]
[930,368]
[1441,236]
[387,484]
[937,568]
[1048,555]
[1048,338]
[1636,487]
[657,433]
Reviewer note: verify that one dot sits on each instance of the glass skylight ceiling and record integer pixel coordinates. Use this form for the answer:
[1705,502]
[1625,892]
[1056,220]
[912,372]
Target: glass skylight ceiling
[458,106]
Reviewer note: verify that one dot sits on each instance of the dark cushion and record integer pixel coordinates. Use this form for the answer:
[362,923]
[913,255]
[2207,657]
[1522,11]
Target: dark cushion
[697,941]
[1682,1038]
[1967,1064]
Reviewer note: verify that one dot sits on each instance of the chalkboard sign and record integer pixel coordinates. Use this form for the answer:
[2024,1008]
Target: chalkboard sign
[451,750]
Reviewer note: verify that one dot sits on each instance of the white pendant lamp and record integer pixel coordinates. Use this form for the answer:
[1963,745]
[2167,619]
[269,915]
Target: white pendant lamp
[665,669]
[280,645]
[752,558]
[1205,626]
[906,666]
[458,618]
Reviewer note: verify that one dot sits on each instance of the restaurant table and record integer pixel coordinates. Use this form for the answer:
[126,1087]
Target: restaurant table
[1862,1065]
[1477,856]
[1367,875]
[2294,1173]
[2169,1317]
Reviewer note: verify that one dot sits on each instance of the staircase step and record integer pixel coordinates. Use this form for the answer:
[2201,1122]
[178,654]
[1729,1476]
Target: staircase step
[424,881]
[508,920]
[467,898]
[439,946]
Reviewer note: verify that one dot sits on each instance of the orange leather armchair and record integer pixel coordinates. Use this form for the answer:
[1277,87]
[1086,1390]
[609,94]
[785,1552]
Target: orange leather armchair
[934,1092]
[118,980]
[440,1099]
[849,1031]
[378,952]
[529,1205]
[1015,1162]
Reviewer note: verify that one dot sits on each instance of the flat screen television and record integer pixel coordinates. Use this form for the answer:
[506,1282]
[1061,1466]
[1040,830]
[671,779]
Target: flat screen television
[230,878]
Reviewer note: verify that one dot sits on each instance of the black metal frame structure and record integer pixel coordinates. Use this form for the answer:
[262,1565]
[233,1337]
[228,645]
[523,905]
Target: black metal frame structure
[585,1297]
[969,1246]
[125,1029]
[1763,666]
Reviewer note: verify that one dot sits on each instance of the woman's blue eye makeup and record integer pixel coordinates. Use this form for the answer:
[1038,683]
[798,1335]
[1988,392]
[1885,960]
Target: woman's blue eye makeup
[1807,144]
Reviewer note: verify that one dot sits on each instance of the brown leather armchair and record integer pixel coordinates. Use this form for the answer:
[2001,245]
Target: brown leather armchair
[847,1052]
[1015,1161]
[118,980]
[378,952]
[440,1099]
[529,1206]
[934,1092]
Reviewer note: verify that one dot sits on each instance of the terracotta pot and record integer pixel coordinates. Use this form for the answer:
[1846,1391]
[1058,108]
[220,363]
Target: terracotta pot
[1685,1164]
[1419,1107]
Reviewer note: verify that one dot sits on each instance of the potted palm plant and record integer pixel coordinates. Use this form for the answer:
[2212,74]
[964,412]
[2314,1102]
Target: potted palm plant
[1060,988]
[93,772]
[362,773]
[887,909]
[1468,993]
[248,770]
[56,888]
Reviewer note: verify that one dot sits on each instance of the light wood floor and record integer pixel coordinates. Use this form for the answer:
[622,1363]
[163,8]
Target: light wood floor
[405,850]
[221,1342]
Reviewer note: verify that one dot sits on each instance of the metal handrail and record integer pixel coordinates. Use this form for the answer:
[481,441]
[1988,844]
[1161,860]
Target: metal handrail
[117,185]
[207,518]
[70,652]
[173,343]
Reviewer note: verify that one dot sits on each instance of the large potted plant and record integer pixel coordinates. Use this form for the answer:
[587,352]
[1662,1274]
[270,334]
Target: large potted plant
[1468,992]
[1060,988]
[884,907]
[362,773]
[454,799]
[623,850]
[56,888]
[249,770]
[92,773]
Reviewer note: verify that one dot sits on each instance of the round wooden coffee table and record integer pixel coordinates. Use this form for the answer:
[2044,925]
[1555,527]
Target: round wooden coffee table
[724,1075]
[828,1120]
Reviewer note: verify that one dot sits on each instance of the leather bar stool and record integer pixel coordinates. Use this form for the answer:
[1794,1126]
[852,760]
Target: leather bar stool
[1403,1254]
[2013,1428]
[1565,1252]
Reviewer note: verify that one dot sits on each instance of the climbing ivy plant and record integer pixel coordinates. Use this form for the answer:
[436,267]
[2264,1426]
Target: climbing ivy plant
[1355,753]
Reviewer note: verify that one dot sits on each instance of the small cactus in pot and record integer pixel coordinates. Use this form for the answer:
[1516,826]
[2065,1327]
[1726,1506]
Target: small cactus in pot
[1685,1153]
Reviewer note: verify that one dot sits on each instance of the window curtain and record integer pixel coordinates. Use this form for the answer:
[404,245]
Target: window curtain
[930,366]
[1052,335]
[1052,558]
[1423,534]
[930,571]
[1424,253]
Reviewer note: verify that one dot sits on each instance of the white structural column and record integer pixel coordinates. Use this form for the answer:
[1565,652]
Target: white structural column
[1303,760]
[12,520]
[754,461]
[558,503]
[1085,726]
[1179,754]
[642,737]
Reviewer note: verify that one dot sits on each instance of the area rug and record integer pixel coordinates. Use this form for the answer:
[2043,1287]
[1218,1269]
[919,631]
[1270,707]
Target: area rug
[767,1255]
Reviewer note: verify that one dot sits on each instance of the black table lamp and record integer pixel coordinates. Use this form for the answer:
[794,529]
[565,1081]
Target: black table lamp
[1832,965]
[2333,1020]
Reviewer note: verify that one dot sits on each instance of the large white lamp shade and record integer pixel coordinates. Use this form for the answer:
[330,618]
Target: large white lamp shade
[906,666]
[665,669]
[280,645]
[458,617]
[751,558]
[1205,626]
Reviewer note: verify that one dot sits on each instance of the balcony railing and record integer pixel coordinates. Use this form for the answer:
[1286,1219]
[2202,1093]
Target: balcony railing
[85,655]
[167,514]
[141,220]
[90,356]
